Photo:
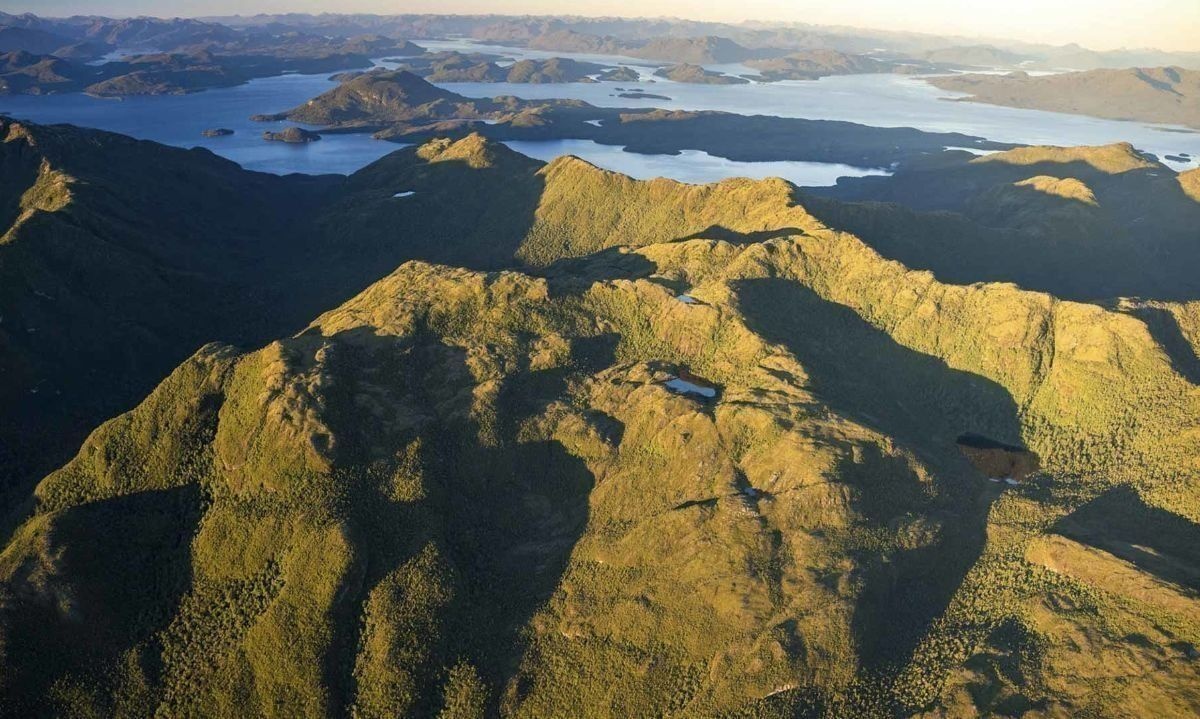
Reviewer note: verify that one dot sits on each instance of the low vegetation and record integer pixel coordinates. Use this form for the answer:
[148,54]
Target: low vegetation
[466,491]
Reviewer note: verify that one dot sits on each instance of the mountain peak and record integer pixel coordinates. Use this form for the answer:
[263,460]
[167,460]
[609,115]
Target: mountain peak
[474,149]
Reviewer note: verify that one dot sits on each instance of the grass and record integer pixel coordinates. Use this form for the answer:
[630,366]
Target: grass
[465,493]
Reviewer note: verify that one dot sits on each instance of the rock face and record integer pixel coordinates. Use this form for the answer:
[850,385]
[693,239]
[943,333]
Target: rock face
[996,459]
[217,132]
[297,135]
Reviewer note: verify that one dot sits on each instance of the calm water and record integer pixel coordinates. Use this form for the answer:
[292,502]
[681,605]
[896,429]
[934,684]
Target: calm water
[692,166]
[179,120]
[881,100]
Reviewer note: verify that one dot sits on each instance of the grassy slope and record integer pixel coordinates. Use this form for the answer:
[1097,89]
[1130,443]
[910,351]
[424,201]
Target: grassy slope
[118,259]
[466,491]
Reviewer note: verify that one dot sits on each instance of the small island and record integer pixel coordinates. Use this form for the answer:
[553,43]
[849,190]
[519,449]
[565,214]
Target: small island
[217,132]
[639,95]
[620,74]
[697,75]
[294,135]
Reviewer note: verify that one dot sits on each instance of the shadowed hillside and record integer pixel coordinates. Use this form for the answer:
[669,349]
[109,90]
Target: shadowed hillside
[1083,223]
[472,489]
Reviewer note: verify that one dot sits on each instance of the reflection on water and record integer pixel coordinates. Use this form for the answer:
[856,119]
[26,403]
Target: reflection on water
[691,166]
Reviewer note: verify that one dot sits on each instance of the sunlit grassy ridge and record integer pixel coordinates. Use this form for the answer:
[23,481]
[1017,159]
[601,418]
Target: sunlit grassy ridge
[469,493]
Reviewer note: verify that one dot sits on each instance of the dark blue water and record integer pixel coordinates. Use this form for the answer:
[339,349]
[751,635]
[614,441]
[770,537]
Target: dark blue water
[179,120]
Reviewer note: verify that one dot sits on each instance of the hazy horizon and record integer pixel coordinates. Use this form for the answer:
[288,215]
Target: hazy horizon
[1097,24]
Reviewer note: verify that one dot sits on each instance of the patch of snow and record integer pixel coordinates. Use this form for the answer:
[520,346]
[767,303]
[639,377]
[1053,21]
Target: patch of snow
[993,479]
[408,193]
[1011,482]
[684,387]
[593,122]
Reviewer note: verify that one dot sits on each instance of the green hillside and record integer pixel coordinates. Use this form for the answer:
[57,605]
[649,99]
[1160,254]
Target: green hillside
[468,491]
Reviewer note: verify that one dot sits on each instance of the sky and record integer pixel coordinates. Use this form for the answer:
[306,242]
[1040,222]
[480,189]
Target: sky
[1098,24]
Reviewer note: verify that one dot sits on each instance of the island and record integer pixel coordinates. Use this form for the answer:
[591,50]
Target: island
[697,75]
[639,95]
[620,74]
[293,135]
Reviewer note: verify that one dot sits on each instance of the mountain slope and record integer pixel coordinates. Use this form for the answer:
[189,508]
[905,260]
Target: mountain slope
[466,489]
[1084,223]
[118,259]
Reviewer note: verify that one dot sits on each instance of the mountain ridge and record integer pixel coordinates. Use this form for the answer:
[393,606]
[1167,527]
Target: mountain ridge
[468,487]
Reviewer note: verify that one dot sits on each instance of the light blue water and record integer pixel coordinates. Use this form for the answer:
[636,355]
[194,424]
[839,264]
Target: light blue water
[689,165]
[878,100]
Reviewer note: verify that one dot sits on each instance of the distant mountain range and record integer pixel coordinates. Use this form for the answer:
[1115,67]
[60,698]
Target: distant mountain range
[608,35]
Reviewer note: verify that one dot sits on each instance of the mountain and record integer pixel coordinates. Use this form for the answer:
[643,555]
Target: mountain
[693,50]
[399,97]
[388,96]
[478,67]
[141,253]
[571,41]
[1085,223]
[975,55]
[118,259]
[680,50]
[555,69]
[38,42]
[181,55]
[24,72]
[474,492]
[1168,95]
